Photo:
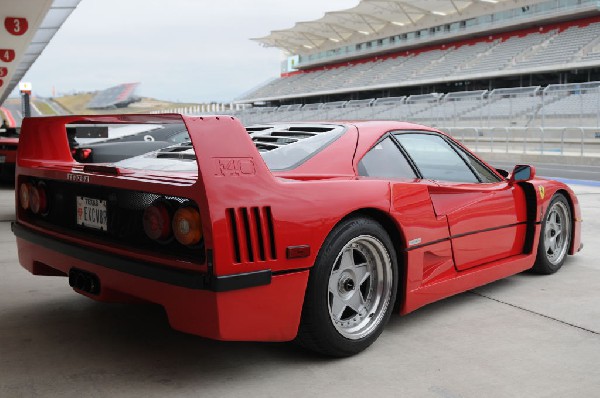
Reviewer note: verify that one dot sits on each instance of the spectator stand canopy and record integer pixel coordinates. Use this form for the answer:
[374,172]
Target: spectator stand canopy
[114,97]
[26,27]
[372,19]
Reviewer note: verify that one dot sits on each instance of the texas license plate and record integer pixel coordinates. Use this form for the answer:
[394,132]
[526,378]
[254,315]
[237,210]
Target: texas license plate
[91,213]
[2,158]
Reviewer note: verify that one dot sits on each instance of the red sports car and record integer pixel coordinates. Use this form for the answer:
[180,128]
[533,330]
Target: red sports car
[308,231]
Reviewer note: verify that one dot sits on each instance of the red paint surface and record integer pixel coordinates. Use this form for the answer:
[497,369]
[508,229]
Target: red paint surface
[306,204]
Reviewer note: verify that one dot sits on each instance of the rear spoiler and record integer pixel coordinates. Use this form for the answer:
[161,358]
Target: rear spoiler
[221,143]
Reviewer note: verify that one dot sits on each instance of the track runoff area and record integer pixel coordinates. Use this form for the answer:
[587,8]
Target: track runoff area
[526,335]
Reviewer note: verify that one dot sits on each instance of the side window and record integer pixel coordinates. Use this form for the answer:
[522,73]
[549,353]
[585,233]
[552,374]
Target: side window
[435,158]
[484,174]
[385,160]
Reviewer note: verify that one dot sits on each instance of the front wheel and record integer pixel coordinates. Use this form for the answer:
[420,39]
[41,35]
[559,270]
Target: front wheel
[351,289]
[555,236]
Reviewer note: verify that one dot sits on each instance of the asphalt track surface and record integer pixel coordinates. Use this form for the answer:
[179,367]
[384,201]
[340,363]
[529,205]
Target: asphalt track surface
[526,336]
[14,107]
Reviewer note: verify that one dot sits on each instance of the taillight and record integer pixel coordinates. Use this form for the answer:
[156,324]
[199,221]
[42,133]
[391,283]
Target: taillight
[84,153]
[33,197]
[187,227]
[24,195]
[157,221]
[37,199]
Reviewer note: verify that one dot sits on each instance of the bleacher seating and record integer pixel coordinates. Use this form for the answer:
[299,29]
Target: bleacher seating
[555,105]
[551,49]
[560,48]
[502,53]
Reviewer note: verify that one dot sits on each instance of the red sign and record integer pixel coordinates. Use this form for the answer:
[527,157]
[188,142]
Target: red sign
[16,26]
[1,82]
[3,71]
[7,55]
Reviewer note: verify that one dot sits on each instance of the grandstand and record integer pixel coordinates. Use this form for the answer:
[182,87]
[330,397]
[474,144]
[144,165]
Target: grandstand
[482,63]
[114,97]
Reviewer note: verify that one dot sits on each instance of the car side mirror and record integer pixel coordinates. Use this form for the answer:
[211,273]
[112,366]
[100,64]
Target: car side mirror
[522,172]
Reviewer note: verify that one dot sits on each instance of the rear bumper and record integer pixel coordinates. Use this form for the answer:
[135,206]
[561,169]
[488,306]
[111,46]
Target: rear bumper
[156,272]
[255,306]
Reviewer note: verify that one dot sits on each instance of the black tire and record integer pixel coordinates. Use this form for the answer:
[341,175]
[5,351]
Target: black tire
[351,289]
[555,236]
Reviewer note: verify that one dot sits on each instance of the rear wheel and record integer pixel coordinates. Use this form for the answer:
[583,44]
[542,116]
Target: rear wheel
[555,236]
[351,289]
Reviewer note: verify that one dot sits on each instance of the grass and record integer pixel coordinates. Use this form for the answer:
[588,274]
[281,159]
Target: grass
[44,108]
[76,103]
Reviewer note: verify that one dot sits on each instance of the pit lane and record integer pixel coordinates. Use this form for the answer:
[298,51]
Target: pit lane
[527,335]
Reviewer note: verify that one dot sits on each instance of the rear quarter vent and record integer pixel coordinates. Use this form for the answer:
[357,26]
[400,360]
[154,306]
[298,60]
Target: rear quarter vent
[252,234]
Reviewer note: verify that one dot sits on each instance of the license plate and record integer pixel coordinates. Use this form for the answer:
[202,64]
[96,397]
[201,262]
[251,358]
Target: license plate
[2,159]
[91,213]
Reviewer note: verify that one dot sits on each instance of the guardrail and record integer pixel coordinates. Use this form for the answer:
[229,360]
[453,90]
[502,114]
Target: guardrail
[571,141]
[564,141]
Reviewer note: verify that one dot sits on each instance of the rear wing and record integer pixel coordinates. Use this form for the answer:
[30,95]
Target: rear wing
[221,143]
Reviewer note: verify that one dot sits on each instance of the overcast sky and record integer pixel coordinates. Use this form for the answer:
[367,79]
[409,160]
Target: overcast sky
[179,50]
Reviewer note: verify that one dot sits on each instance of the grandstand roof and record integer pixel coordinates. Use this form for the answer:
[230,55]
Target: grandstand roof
[373,18]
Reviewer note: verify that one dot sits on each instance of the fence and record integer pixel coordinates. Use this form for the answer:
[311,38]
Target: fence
[556,105]
[572,141]
[532,120]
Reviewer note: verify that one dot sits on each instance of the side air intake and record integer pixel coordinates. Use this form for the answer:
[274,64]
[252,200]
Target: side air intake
[252,235]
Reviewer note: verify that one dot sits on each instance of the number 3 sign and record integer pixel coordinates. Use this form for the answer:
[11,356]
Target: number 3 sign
[16,26]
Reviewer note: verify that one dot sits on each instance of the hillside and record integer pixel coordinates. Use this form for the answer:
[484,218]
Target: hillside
[76,104]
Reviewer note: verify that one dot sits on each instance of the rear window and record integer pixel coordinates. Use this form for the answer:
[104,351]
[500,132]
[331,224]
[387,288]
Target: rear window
[288,147]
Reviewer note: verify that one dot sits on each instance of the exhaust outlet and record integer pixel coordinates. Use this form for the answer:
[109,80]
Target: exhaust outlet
[84,281]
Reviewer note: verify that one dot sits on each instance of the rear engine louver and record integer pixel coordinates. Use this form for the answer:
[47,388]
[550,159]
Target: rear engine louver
[252,235]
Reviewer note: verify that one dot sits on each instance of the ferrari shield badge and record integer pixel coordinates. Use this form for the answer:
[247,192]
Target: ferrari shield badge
[542,191]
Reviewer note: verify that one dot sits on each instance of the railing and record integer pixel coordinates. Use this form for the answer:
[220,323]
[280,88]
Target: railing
[556,105]
[563,141]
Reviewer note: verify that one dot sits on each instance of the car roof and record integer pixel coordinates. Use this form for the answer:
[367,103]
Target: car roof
[336,158]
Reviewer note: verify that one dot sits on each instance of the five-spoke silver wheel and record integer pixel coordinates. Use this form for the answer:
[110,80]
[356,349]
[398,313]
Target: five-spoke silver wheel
[360,286]
[556,232]
[555,236]
[351,289]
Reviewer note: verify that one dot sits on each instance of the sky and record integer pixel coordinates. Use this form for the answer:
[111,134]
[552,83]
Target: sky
[179,50]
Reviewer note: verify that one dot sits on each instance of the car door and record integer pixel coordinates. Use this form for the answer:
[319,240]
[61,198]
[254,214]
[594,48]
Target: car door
[485,214]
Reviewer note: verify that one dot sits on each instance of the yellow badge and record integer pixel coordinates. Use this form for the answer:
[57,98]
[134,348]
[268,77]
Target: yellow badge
[542,191]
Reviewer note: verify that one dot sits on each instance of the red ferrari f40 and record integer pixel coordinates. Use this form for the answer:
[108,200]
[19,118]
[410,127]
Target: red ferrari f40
[314,232]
